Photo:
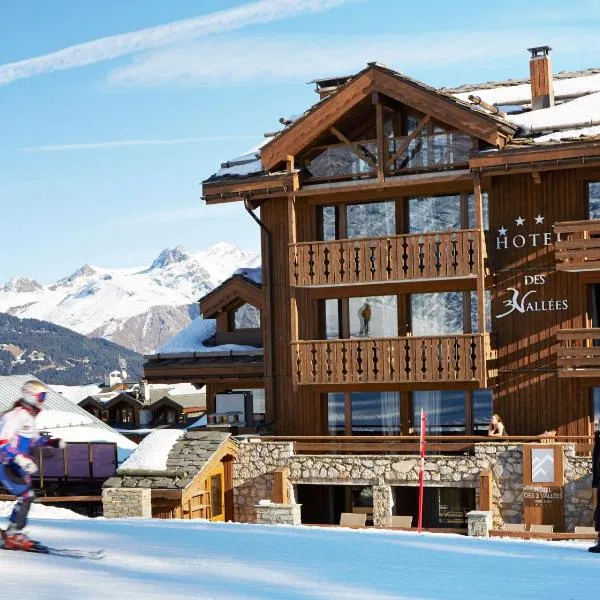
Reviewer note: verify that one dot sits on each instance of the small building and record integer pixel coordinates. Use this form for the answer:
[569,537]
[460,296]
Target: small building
[222,349]
[175,474]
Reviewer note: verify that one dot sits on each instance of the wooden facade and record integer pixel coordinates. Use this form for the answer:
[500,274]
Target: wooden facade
[535,259]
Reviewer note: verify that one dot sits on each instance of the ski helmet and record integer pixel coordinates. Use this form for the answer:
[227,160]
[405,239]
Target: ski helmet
[34,393]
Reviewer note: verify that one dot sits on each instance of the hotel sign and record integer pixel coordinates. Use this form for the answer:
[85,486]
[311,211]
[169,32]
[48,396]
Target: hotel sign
[523,302]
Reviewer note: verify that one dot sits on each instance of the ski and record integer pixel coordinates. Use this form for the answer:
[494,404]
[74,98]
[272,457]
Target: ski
[39,548]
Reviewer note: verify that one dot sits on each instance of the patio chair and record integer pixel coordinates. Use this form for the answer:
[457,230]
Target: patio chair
[513,527]
[401,521]
[541,528]
[353,520]
[585,529]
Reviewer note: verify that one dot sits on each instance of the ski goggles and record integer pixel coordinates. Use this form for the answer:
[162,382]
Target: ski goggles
[40,396]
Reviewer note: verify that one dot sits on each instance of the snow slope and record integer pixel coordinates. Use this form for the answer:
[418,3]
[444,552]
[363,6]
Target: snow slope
[138,307]
[157,559]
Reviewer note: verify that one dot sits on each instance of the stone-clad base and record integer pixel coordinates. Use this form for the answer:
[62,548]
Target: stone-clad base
[479,523]
[121,503]
[278,514]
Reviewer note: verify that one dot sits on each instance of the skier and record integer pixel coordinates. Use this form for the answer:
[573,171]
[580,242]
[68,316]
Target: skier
[18,435]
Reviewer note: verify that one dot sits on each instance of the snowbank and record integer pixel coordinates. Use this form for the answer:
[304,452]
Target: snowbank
[153,451]
[41,511]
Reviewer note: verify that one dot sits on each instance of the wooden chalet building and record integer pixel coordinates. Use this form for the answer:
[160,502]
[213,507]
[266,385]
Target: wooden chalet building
[428,248]
[423,249]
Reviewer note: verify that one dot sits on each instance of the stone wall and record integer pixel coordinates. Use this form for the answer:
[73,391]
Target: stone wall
[253,477]
[119,503]
[278,514]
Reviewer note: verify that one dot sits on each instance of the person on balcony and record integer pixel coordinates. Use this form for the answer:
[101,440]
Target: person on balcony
[365,318]
[496,427]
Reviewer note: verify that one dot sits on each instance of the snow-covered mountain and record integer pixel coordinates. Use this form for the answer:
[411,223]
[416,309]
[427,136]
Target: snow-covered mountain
[137,307]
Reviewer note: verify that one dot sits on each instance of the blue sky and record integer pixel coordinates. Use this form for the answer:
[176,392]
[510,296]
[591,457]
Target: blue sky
[112,112]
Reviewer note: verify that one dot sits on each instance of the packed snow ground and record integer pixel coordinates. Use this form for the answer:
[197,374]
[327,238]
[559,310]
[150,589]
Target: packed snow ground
[157,559]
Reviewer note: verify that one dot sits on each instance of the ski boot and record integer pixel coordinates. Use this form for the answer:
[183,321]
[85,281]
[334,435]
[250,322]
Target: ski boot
[595,548]
[16,540]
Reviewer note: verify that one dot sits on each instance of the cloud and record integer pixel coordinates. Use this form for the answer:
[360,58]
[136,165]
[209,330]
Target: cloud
[224,59]
[126,143]
[108,48]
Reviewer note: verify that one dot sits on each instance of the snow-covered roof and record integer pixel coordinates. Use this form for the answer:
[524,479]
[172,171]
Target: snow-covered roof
[153,451]
[192,338]
[64,419]
[254,274]
[168,459]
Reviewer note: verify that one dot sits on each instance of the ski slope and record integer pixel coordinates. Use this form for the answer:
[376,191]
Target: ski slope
[157,559]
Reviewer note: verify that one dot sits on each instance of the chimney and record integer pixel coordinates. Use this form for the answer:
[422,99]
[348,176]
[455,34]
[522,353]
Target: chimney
[326,87]
[540,68]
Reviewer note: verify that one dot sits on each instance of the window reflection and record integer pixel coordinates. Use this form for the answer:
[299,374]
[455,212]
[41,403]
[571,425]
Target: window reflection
[374,219]
[335,413]
[594,200]
[482,410]
[445,411]
[374,317]
[437,314]
[433,213]
[375,413]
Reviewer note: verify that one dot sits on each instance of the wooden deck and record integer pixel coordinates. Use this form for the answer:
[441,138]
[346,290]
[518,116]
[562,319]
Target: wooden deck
[399,258]
[579,246]
[459,358]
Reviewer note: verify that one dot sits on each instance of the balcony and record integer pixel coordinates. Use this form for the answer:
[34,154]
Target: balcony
[425,362]
[579,352]
[578,245]
[404,155]
[417,257]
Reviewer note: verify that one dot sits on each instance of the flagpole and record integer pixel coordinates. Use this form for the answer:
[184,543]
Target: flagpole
[422,468]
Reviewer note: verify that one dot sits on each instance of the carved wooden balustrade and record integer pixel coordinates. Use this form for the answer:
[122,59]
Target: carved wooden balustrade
[409,257]
[579,352]
[412,360]
[578,246]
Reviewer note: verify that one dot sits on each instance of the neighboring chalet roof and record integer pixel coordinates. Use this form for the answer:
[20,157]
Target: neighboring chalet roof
[233,292]
[170,459]
[178,400]
[62,418]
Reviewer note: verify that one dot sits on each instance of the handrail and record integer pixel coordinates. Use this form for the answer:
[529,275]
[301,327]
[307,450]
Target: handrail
[379,259]
[430,438]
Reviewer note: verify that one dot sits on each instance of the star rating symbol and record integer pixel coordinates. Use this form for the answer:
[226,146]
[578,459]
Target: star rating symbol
[520,221]
[502,230]
[539,220]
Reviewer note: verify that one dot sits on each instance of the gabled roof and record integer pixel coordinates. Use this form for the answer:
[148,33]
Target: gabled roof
[187,457]
[442,106]
[232,293]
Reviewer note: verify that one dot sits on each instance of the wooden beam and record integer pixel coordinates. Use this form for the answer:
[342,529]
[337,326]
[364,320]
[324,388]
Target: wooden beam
[381,145]
[356,147]
[404,147]
[478,199]
[280,485]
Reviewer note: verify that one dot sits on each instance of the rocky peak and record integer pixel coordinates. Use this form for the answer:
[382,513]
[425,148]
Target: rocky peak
[22,285]
[170,256]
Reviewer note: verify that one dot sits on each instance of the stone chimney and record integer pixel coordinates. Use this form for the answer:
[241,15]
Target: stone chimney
[540,68]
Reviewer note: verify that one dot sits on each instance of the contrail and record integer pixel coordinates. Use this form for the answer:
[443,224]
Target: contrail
[108,48]
[124,143]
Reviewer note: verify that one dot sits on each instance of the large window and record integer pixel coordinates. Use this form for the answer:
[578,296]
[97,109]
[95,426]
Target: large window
[373,317]
[437,314]
[332,320]
[482,410]
[475,310]
[247,316]
[472,213]
[594,200]
[445,411]
[336,413]
[375,413]
[374,219]
[434,213]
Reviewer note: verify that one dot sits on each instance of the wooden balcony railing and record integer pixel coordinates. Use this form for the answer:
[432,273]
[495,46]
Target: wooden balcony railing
[418,256]
[403,155]
[412,360]
[579,352]
[578,246]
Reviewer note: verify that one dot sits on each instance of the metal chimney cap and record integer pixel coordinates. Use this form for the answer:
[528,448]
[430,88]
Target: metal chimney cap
[538,51]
